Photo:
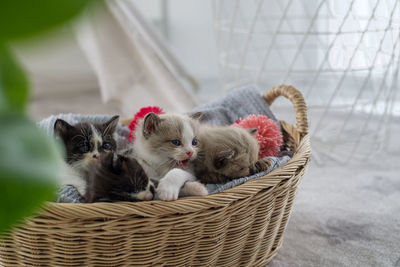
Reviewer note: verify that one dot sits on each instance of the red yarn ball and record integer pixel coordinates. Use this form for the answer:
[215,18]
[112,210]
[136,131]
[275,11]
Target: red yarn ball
[268,134]
[140,115]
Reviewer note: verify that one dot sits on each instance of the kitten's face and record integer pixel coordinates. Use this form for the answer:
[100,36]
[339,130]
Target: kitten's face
[230,151]
[121,178]
[170,138]
[84,142]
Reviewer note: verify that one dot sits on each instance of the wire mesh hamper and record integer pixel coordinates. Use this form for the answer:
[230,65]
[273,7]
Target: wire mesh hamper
[242,226]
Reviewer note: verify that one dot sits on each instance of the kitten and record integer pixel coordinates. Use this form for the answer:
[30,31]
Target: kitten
[84,143]
[118,178]
[165,145]
[226,153]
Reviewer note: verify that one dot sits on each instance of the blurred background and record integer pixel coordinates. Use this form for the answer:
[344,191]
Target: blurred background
[61,69]
[342,55]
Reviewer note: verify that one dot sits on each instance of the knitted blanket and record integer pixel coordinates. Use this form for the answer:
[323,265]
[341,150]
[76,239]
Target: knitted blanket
[236,104]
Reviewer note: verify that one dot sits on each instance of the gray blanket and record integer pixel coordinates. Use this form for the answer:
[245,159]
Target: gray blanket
[237,104]
[276,162]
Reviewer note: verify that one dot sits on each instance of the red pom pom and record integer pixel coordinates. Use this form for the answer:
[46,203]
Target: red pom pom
[268,134]
[140,115]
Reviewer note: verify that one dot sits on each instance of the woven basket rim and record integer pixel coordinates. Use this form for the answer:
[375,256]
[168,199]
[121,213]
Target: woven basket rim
[156,208]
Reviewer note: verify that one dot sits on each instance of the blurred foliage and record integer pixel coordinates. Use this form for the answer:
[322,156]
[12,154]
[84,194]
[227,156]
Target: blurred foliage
[29,164]
[29,159]
[13,83]
[22,18]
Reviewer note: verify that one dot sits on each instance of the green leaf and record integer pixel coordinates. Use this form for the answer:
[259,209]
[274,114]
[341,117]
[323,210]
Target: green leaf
[29,168]
[22,18]
[13,83]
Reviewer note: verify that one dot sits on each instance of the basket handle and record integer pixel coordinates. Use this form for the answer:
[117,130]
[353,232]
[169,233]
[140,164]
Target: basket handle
[296,98]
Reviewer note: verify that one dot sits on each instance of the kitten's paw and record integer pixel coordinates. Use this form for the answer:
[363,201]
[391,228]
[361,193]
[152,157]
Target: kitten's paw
[167,191]
[261,165]
[193,189]
[144,195]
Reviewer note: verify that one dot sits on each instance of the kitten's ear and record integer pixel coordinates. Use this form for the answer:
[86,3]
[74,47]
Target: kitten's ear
[197,115]
[111,125]
[61,128]
[252,131]
[222,158]
[150,124]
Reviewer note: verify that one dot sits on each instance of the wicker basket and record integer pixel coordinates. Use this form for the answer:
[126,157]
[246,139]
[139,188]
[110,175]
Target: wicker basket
[242,226]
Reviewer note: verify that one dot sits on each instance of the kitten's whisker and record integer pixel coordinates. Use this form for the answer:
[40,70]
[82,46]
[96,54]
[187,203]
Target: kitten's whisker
[78,135]
[83,131]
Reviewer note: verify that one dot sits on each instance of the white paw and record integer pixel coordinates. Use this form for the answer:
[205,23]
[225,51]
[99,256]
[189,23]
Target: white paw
[194,189]
[143,195]
[167,190]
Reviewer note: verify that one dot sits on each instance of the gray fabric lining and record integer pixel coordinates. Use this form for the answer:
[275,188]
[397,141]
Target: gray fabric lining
[236,104]
[276,162]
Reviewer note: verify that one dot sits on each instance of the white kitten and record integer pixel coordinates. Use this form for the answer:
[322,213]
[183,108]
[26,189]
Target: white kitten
[164,146]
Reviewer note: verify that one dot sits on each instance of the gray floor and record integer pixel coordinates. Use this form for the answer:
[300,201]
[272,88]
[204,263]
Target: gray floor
[344,217]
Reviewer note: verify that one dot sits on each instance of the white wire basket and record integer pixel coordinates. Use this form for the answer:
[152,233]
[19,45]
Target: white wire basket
[343,55]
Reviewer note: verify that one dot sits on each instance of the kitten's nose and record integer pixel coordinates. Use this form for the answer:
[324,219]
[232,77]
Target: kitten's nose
[95,156]
[189,153]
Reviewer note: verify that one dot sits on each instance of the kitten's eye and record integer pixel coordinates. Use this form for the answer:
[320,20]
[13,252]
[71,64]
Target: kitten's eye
[176,142]
[195,142]
[106,146]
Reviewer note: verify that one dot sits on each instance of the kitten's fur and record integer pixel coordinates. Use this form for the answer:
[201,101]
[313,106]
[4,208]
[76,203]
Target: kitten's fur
[225,153]
[161,159]
[118,178]
[84,142]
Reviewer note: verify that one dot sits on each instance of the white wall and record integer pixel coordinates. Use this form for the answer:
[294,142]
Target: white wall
[190,33]
[192,37]
[57,64]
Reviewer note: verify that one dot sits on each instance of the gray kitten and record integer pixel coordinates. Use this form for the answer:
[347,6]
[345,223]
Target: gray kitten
[226,153]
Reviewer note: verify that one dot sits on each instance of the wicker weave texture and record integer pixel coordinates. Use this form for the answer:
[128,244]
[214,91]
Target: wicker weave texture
[242,226]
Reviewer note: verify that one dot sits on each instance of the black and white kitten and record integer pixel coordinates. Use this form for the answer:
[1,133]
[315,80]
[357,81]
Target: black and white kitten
[118,178]
[84,143]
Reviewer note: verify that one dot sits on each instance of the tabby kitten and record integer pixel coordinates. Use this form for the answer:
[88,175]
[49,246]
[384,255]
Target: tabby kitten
[118,178]
[84,143]
[164,146]
[226,153]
